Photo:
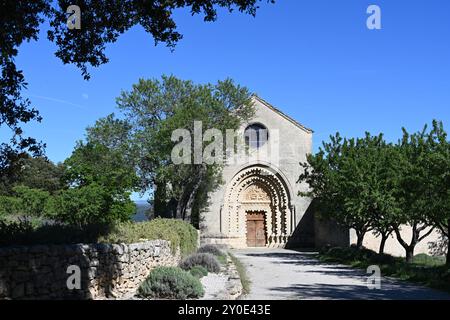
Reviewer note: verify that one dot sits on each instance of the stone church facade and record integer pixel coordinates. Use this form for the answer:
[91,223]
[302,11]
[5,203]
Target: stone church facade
[259,205]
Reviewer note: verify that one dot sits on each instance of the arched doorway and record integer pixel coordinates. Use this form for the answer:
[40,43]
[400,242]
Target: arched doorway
[256,209]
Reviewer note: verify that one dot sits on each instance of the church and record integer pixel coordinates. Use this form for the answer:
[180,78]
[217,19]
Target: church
[259,205]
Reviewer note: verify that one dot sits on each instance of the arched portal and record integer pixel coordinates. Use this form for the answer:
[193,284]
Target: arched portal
[257,210]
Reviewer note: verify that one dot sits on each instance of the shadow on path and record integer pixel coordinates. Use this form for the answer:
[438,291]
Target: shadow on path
[287,274]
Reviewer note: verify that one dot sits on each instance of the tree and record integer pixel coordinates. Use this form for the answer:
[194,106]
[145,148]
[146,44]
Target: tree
[438,178]
[325,173]
[32,202]
[415,192]
[19,21]
[102,22]
[41,173]
[386,170]
[33,172]
[351,181]
[156,109]
[90,204]
[100,177]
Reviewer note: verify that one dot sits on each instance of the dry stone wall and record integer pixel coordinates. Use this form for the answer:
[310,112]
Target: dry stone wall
[106,270]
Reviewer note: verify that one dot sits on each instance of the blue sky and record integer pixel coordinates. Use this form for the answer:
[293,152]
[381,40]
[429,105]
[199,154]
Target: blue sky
[315,60]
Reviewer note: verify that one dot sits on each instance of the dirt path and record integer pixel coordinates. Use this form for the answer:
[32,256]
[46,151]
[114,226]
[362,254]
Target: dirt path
[278,274]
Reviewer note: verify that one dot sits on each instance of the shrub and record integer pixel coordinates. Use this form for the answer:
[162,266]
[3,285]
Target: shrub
[27,232]
[426,260]
[170,283]
[90,204]
[206,260]
[210,248]
[180,234]
[32,201]
[9,205]
[198,271]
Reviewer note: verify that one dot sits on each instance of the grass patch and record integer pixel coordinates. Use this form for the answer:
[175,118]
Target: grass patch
[245,281]
[199,271]
[222,259]
[424,270]
[214,250]
[179,233]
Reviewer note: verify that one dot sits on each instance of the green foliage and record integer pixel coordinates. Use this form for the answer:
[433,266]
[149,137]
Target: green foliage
[41,173]
[32,201]
[222,259]
[100,176]
[370,185]
[83,48]
[89,205]
[25,202]
[100,164]
[214,250]
[179,233]
[425,270]
[199,271]
[424,171]
[353,181]
[170,283]
[206,260]
[9,206]
[155,109]
[426,260]
[34,173]
[25,232]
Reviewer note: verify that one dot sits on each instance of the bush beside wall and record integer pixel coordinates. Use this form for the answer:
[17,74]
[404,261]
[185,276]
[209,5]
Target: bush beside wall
[171,283]
[206,260]
[180,234]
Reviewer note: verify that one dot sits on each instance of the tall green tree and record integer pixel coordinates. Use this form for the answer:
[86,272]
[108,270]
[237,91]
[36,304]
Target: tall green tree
[438,180]
[383,189]
[33,172]
[351,180]
[415,191]
[102,22]
[156,109]
[100,177]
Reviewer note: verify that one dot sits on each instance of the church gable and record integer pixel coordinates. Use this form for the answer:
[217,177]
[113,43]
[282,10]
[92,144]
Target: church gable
[266,110]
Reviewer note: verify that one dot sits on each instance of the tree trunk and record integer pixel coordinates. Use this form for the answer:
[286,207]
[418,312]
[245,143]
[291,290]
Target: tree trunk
[409,254]
[447,258]
[159,204]
[382,243]
[193,192]
[360,239]
[409,249]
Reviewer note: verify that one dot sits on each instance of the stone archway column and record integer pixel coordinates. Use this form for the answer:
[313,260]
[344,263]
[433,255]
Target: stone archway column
[275,228]
[269,194]
[238,221]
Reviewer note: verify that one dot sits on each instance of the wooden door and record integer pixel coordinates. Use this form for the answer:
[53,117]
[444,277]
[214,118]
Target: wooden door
[256,234]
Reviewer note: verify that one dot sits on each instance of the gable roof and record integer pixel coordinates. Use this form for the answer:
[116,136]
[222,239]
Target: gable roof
[271,107]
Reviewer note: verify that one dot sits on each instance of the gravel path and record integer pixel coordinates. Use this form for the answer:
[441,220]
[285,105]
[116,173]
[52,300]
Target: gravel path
[278,274]
[214,285]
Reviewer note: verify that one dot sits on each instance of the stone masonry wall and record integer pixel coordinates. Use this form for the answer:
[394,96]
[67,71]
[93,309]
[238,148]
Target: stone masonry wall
[107,270]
